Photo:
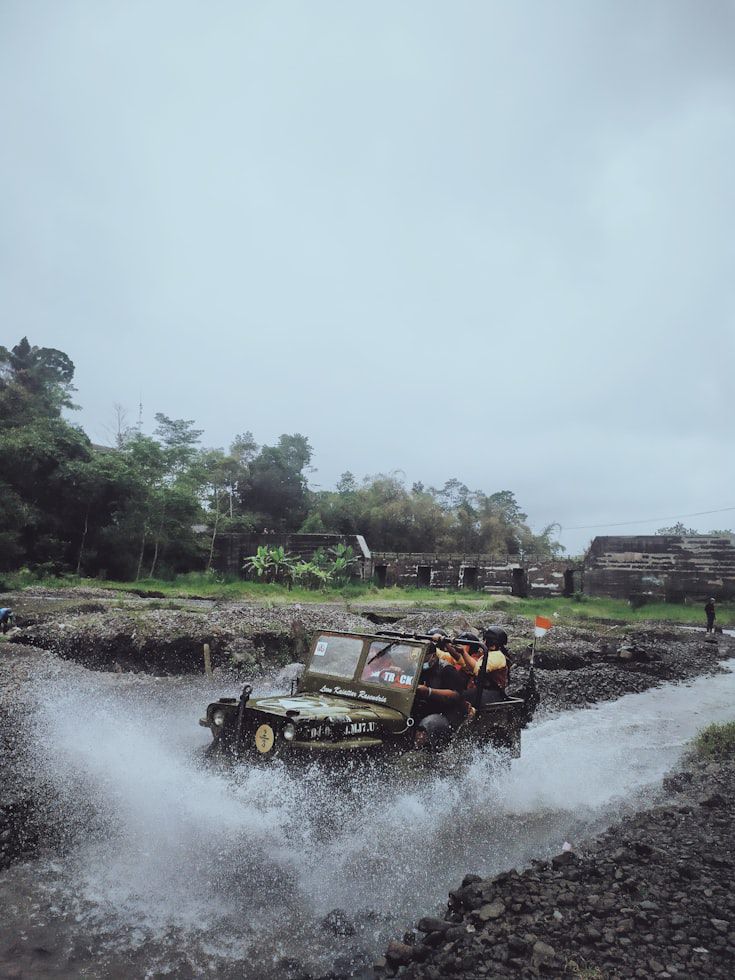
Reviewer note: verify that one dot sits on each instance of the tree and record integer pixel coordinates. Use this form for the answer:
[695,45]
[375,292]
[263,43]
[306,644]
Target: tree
[680,530]
[276,486]
[346,484]
[179,442]
[39,460]
[34,381]
[217,471]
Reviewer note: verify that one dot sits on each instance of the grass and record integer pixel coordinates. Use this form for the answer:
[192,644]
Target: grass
[594,608]
[215,586]
[584,972]
[717,742]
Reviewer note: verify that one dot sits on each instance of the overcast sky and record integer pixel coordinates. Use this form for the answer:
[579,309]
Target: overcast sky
[492,241]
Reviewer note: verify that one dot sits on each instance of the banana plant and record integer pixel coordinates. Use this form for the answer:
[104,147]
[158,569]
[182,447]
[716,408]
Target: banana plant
[344,563]
[270,564]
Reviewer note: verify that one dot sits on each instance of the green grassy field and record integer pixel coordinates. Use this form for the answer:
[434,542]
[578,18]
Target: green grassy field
[358,595]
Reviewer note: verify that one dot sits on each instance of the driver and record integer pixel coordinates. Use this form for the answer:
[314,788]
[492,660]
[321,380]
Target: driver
[440,691]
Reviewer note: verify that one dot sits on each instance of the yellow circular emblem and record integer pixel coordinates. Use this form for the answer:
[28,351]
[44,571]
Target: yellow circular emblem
[264,739]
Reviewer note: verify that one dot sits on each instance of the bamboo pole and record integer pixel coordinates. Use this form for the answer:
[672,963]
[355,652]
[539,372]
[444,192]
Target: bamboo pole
[207,661]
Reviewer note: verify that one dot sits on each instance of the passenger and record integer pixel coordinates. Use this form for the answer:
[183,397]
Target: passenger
[451,652]
[496,677]
[470,652]
[441,690]
[445,649]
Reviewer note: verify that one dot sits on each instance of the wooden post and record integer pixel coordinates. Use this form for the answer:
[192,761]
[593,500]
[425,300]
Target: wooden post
[207,661]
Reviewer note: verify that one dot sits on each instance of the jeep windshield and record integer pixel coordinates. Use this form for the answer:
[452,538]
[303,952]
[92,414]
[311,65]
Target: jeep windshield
[367,668]
[391,664]
[337,656]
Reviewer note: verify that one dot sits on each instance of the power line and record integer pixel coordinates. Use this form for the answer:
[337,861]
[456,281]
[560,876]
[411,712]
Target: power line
[649,520]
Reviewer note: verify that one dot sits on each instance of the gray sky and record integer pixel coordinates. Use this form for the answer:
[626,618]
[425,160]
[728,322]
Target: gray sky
[474,239]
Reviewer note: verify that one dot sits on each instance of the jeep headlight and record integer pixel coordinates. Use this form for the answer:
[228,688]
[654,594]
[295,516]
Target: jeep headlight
[289,732]
[218,717]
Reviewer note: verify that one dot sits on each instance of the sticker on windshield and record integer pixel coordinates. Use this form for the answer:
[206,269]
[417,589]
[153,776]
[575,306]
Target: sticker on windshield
[321,648]
[391,677]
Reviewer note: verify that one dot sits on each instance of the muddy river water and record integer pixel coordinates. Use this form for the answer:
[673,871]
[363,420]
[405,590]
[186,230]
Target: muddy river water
[168,868]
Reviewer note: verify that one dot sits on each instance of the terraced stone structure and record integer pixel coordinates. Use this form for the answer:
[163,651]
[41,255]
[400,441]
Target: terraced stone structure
[661,566]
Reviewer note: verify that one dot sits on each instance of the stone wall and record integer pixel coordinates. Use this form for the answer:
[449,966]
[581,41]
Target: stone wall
[666,567]
[495,574]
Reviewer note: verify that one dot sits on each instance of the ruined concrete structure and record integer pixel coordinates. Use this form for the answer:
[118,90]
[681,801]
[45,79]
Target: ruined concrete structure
[673,568]
[661,566]
[481,573]
[498,574]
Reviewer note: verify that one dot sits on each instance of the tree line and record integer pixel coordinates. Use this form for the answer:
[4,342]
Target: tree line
[130,511]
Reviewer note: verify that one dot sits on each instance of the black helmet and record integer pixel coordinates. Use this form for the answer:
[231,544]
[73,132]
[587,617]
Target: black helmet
[495,636]
[438,731]
[437,629]
[469,635]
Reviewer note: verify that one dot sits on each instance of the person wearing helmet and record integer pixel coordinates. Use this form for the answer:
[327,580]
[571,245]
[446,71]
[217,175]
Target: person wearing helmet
[709,611]
[495,658]
[447,650]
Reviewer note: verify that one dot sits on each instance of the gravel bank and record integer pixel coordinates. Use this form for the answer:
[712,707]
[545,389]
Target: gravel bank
[130,633]
[651,897]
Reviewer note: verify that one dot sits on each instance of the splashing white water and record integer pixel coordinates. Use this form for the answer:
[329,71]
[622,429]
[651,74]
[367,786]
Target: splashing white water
[248,863]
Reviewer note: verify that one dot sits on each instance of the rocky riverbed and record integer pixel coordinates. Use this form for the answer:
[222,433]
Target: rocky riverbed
[576,667]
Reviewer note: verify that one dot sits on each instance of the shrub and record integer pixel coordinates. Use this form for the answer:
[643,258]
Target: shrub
[717,741]
[310,575]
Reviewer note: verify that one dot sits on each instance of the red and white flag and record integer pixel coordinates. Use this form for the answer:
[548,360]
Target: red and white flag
[543,625]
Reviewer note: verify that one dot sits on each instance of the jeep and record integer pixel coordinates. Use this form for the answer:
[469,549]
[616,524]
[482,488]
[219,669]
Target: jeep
[355,697]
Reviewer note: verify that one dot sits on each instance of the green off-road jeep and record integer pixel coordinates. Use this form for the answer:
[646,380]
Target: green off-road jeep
[357,696]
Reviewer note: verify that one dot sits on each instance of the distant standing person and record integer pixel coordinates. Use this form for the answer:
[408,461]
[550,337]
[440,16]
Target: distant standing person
[6,619]
[709,611]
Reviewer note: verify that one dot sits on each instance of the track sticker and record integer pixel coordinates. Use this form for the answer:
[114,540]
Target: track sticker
[321,648]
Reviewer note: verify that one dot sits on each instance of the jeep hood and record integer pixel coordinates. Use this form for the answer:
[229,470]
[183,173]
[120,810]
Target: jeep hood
[315,707]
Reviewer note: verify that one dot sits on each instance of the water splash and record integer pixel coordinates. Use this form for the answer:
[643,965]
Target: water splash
[165,855]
